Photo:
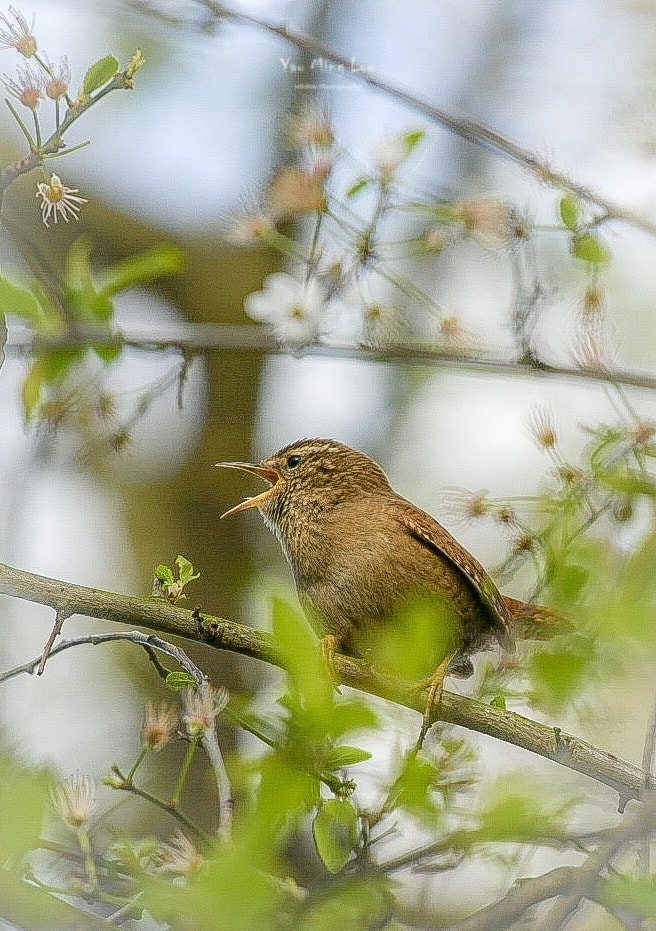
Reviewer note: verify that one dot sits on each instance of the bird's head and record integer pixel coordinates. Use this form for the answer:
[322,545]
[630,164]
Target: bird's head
[309,476]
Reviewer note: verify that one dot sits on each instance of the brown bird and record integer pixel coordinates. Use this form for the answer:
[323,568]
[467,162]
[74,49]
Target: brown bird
[361,554]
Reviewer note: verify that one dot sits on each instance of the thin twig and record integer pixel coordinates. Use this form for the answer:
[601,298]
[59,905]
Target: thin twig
[210,743]
[60,616]
[150,643]
[160,668]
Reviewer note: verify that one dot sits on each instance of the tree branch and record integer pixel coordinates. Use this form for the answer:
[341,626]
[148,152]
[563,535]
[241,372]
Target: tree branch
[627,780]
[573,883]
[471,130]
[217,337]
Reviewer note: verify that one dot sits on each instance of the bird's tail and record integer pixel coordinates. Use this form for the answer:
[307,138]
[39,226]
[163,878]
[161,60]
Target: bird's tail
[535,622]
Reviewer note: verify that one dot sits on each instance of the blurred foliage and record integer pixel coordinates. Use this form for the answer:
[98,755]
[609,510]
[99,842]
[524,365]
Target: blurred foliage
[76,312]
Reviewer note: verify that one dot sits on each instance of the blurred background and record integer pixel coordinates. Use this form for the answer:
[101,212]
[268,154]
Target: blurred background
[198,137]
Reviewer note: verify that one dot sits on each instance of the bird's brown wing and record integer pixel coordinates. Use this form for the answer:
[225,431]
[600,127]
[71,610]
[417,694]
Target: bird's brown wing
[428,531]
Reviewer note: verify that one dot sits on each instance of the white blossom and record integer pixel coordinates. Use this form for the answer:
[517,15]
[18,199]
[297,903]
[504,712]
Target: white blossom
[296,311]
[58,200]
[388,153]
[74,799]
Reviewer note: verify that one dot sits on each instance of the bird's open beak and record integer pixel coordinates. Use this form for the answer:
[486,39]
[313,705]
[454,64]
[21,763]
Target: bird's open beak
[269,475]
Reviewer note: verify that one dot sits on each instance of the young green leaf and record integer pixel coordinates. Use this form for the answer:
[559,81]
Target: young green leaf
[18,301]
[569,212]
[107,353]
[163,260]
[164,574]
[99,74]
[558,672]
[413,138]
[308,678]
[589,248]
[357,186]
[335,830]
[519,813]
[32,389]
[186,570]
[337,757]
[45,370]
[179,680]
[78,265]
[414,788]
[631,895]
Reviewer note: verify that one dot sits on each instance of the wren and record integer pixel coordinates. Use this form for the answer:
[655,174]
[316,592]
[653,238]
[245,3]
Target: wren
[360,553]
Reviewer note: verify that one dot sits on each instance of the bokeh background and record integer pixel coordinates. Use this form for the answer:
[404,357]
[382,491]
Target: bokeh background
[199,135]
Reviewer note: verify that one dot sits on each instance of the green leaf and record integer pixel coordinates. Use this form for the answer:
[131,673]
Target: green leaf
[358,186]
[308,677]
[237,889]
[359,902]
[107,353]
[413,138]
[164,260]
[78,265]
[337,757]
[350,715]
[567,582]
[499,701]
[558,671]
[99,74]
[569,212]
[414,643]
[32,390]
[179,680]
[164,574]
[82,298]
[335,831]
[589,248]
[414,788]
[186,570]
[18,301]
[287,793]
[45,370]
[23,803]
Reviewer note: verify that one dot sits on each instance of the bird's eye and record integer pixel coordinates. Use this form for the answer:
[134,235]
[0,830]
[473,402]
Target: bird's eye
[293,461]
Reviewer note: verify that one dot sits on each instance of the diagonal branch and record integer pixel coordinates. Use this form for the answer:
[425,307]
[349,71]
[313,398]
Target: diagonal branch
[468,129]
[156,614]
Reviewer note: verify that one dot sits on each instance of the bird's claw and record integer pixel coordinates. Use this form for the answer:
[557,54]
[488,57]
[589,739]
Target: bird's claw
[329,646]
[435,688]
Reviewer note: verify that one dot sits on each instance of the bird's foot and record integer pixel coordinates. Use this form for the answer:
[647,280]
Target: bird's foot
[435,686]
[329,646]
